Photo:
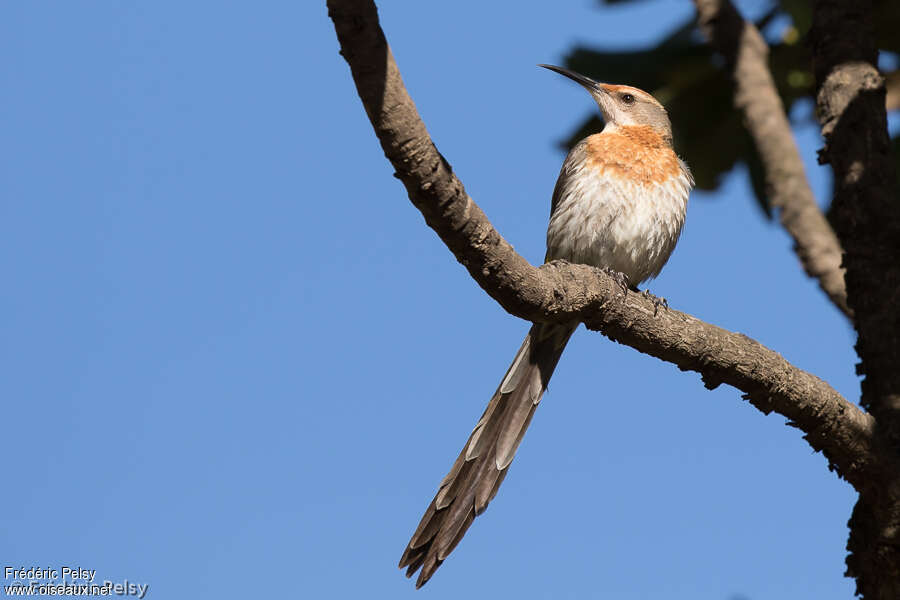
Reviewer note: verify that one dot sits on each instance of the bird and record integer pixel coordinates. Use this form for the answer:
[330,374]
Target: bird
[619,204]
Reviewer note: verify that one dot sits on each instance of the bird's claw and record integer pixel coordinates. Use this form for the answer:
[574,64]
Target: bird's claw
[619,277]
[656,300]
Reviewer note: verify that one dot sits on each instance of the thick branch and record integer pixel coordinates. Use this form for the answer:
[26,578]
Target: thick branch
[746,55]
[562,292]
[850,104]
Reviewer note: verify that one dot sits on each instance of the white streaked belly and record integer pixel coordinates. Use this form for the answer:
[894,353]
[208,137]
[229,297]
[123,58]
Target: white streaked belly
[608,221]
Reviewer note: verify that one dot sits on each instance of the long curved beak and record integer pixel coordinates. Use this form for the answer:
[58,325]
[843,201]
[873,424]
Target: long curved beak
[591,85]
[598,91]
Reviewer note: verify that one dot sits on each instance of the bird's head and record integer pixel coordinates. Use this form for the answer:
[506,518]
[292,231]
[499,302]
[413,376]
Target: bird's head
[623,105]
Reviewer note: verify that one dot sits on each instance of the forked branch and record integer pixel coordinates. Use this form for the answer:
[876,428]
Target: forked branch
[562,292]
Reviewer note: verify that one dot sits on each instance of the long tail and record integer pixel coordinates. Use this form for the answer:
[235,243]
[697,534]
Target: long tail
[476,475]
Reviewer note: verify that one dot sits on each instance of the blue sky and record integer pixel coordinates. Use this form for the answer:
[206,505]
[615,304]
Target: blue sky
[237,363]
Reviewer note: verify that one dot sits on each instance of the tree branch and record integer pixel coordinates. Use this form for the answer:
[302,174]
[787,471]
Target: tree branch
[563,292]
[850,105]
[892,85]
[746,55]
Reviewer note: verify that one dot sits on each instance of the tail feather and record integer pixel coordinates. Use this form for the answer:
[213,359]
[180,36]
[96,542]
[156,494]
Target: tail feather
[516,419]
[416,559]
[482,465]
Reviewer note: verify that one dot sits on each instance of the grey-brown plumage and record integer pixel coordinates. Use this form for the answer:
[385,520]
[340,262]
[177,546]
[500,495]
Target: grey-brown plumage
[619,203]
[484,461]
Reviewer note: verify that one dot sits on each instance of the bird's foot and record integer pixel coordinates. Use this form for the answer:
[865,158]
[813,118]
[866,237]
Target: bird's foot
[656,300]
[619,277]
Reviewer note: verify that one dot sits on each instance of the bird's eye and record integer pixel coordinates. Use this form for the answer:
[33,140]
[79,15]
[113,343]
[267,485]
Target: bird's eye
[627,98]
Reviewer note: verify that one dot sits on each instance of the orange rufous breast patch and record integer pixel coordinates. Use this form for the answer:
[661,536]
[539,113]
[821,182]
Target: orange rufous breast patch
[637,152]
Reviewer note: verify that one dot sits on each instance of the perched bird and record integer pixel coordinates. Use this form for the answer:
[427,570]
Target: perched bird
[619,204]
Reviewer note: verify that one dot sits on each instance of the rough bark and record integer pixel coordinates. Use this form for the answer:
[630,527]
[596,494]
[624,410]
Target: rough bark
[746,57]
[850,102]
